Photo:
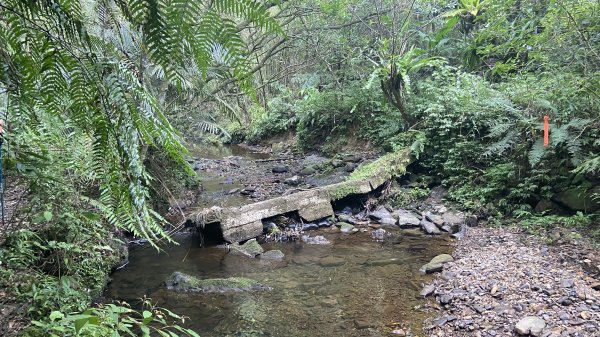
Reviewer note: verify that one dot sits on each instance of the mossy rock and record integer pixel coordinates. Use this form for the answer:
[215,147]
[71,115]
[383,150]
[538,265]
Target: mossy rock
[250,248]
[186,283]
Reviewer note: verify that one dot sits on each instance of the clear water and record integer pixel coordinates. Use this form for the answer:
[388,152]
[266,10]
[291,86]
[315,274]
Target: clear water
[369,295]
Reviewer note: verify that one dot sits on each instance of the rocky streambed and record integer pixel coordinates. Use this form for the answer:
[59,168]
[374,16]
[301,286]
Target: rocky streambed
[506,283]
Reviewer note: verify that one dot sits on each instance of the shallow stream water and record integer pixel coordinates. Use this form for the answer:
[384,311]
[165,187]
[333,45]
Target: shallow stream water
[374,291]
[372,288]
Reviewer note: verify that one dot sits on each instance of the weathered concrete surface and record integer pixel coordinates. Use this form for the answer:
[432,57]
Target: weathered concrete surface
[244,222]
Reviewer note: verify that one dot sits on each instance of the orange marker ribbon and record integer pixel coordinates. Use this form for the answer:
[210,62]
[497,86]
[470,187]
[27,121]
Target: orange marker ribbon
[546,138]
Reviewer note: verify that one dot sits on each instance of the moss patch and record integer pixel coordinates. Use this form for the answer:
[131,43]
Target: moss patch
[386,167]
[186,283]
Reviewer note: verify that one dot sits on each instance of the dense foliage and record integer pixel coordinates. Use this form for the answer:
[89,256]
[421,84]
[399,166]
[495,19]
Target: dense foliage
[99,96]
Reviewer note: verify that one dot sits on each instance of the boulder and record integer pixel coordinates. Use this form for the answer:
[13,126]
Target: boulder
[578,199]
[272,255]
[388,221]
[336,163]
[380,213]
[453,219]
[250,248]
[309,226]
[442,258]
[530,325]
[436,219]
[280,169]
[406,219]
[186,283]
[429,227]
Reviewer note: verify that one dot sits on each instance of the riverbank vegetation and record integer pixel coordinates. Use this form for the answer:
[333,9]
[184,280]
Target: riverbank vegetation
[100,98]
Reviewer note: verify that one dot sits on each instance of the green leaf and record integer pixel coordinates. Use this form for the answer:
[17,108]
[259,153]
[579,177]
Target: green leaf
[54,315]
[47,216]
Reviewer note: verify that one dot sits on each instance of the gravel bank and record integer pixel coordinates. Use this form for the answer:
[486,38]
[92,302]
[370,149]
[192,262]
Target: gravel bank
[501,278]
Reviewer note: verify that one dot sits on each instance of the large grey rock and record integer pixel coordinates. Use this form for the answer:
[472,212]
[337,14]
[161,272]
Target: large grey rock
[186,283]
[530,325]
[352,158]
[406,219]
[380,213]
[442,258]
[436,219]
[429,227]
[453,219]
[388,222]
[250,248]
[436,264]
[307,171]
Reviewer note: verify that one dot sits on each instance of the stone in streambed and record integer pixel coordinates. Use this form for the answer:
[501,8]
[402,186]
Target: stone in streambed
[307,171]
[429,227]
[406,219]
[272,255]
[436,264]
[346,218]
[186,283]
[293,181]
[530,325]
[428,290]
[380,213]
[346,227]
[436,219]
[442,258]
[280,169]
[250,248]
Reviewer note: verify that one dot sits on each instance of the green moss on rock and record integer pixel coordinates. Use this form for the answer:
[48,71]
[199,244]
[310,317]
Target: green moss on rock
[187,283]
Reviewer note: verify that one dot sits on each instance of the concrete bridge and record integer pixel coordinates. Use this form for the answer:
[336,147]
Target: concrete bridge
[245,222]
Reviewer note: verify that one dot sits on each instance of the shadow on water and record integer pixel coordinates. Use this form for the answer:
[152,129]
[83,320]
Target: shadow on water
[372,287]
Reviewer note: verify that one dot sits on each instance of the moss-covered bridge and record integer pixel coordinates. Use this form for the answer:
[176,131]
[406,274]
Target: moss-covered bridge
[245,222]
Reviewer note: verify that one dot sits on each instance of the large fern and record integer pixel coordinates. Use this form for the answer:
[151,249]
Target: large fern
[82,66]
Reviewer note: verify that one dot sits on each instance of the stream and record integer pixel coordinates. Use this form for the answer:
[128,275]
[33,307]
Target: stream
[371,288]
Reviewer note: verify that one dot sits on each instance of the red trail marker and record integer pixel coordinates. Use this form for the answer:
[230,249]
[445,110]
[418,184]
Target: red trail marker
[546,138]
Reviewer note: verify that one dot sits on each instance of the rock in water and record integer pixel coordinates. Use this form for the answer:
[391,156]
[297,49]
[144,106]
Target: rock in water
[280,169]
[315,240]
[272,255]
[379,234]
[345,227]
[380,213]
[430,228]
[331,261]
[186,283]
[250,249]
[436,264]
[530,325]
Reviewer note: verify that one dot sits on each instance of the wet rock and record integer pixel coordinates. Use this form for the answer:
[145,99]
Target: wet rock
[346,227]
[248,191]
[406,219]
[399,332]
[347,218]
[280,169]
[315,240]
[428,290]
[379,234]
[250,248]
[324,223]
[384,262]
[530,325]
[272,255]
[233,191]
[388,222]
[293,181]
[429,227]
[309,226]
[186,283]
[331,261]
[432,268]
